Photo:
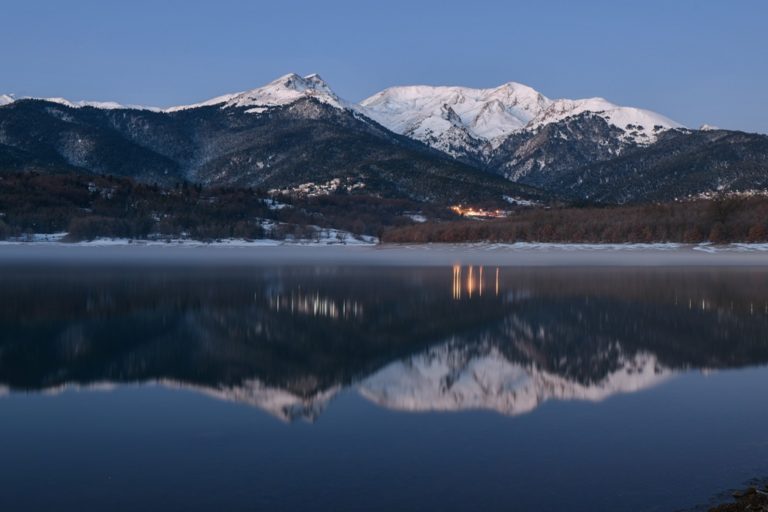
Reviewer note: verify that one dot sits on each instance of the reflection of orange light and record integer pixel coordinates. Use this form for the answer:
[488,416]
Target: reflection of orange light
[481,282]
[475,281]
[457,282]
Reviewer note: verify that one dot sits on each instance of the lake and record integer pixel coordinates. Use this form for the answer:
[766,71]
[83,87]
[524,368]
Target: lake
[326,387]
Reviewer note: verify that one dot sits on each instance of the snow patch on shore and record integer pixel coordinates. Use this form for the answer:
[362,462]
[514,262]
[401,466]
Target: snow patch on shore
[535,246]
[735,247]
[324,237]
[338,237]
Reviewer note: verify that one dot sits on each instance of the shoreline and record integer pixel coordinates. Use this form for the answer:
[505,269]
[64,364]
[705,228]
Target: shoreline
[753,498]
[270,252]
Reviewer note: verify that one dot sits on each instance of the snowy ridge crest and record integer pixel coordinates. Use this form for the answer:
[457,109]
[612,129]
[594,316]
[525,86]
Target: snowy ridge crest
[491,115]
[486,113]
[463,122]
[7,99]
[283,91]
[444,117]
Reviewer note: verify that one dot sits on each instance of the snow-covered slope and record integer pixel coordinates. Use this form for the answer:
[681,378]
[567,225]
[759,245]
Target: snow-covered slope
[6,99]
[446,117]
[644,123]
[427,113]
[283,91]
[104,105]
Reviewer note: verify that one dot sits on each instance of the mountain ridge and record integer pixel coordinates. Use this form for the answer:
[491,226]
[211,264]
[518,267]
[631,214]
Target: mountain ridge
[287,144]
[499,110]
[296,130]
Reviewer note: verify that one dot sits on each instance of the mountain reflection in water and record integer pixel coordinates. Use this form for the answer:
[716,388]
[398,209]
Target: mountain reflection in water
[287,340]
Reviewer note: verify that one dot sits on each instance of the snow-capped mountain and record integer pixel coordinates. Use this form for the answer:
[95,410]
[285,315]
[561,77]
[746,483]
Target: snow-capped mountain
[456,119]
[282,91]
[439,116]
[296,130]
[461,120]
[285,90]
[287,134]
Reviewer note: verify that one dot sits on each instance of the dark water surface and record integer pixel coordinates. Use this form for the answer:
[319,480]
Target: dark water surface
[327,388]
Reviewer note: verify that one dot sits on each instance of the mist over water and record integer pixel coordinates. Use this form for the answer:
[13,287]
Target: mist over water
[449,387]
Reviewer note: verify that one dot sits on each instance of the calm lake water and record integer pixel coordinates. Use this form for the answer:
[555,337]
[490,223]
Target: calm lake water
[346,389]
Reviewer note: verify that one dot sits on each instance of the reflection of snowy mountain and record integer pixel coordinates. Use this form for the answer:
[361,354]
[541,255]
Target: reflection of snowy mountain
[450,378]
[280,403]
[447,378]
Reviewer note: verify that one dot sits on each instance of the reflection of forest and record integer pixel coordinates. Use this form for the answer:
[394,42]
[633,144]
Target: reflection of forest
[307,331]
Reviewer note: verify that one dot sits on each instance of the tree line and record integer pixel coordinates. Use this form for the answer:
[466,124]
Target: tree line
[88,207]
[721,220]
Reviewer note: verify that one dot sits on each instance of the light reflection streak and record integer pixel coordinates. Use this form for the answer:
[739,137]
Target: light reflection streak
[316,305]
[474,284]
[457,282]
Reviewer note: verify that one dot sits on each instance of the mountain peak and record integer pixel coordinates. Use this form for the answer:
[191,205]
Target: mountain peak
[485,113]
[294,82]
[281,91]
[6,99]
[314,77]
[519,90]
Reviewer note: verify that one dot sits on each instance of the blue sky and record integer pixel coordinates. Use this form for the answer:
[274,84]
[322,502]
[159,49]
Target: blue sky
[694,61]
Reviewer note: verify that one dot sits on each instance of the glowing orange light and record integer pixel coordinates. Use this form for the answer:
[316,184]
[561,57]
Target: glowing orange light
[478,212]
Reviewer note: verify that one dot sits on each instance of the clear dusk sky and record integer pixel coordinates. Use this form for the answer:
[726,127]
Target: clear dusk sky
[696,61]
